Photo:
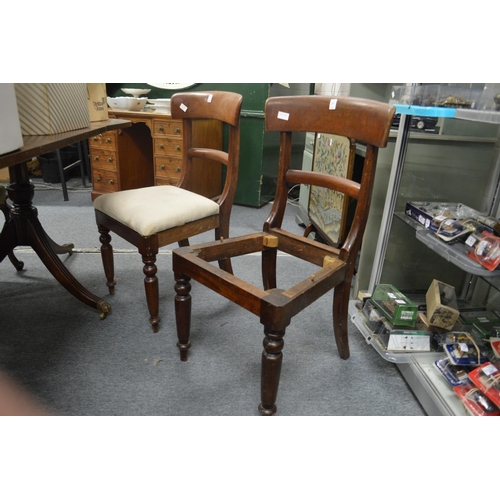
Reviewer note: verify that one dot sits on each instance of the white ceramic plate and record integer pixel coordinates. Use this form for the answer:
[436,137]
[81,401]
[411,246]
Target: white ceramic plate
[136,92]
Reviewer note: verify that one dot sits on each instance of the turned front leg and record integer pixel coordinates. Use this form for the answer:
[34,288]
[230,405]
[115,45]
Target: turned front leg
[151,288]
[183,313]
[272,358]
[107,258]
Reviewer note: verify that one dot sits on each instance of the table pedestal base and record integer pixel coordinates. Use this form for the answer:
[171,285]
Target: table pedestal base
[24,228]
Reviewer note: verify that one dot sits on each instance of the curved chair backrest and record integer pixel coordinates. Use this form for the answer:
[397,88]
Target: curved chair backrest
[211,105]
[216,105]
[361,120]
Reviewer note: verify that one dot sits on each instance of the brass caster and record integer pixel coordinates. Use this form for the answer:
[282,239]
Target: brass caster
[104,307]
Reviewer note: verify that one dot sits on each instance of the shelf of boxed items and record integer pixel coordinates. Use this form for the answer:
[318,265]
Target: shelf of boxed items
[455,253]
[427,383]
[418,368]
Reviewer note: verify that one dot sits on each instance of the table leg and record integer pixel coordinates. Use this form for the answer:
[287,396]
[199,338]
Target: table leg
[24,228]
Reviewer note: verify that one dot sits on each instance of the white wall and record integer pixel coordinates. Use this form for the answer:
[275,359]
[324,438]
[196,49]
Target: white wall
[340,89]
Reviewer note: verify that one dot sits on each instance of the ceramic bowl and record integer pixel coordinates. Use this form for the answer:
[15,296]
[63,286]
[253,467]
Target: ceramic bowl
[127,103]
[136,92]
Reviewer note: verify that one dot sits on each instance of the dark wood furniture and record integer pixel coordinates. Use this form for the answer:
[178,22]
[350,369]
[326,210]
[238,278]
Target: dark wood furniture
[5,209]
[155,216]
[23,226]
[150,154]
[362,120]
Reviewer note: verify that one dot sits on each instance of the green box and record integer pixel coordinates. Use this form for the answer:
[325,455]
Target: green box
[395,306]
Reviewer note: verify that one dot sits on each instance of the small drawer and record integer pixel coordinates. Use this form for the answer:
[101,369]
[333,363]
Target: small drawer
[167,166]
[104,181]
[167,127]
[104,141]
[103,158]
[167,146]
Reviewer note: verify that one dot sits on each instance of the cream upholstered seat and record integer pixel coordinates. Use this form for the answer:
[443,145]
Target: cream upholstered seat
[155,209]
[155,216]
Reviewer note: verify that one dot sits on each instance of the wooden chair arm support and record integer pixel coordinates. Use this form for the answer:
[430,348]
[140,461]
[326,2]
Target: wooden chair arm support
[347,186]
[209,154]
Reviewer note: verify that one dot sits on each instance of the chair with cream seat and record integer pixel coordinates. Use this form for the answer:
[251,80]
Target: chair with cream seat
[156,216]
[365,121]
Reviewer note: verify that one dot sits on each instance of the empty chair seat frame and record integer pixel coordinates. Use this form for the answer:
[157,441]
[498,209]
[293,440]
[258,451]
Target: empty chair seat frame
[362,120]
[156,216]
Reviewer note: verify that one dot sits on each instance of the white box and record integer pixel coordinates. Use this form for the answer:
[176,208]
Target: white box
[11,137]
[52,108]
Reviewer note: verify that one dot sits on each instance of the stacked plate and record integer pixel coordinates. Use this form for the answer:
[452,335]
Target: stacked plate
[160,105]
[136,92]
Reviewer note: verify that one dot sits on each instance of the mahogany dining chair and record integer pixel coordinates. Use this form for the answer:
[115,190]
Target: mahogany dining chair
[365,121]
[155,216]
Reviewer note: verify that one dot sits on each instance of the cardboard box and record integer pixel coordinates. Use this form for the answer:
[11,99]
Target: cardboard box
[424,212]
[97,102]
[52,108]
[442,307]
[11,137]
[395,306]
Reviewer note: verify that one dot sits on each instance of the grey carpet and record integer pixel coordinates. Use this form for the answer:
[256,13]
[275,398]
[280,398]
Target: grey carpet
[78,364]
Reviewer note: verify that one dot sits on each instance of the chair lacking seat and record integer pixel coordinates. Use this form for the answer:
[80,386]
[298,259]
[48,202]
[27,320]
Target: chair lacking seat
[364,121]
[156,216]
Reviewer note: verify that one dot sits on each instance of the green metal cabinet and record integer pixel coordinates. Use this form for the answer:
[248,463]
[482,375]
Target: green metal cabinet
[259,149]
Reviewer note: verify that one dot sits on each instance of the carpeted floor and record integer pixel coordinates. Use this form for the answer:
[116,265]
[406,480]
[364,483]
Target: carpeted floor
[77,364]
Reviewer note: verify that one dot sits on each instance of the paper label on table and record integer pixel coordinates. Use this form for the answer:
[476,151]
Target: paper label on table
[283,116]
[209,98]
[183,107]
[333,103]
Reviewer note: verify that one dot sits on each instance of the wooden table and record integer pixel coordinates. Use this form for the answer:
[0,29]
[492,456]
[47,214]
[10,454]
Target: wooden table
[24,227]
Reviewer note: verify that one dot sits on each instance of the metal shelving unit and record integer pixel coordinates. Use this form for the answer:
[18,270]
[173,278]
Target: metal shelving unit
[418,369]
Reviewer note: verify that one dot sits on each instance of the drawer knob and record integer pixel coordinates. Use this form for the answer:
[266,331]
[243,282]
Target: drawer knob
[110,181]
[159,128]
[109,160]
[177,148]
[162,167]
[177,130]
[96,158]
[98,179]
[177,169]
[160,146]
[108,139]
[94,138]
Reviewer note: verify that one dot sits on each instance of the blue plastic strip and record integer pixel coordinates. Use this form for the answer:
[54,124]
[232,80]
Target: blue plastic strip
[437,112]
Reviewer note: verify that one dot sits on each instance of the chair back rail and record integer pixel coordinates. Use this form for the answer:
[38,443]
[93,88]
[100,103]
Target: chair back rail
[348,117]
[212,105]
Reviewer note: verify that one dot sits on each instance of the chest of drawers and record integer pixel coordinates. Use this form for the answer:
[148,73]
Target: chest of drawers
[150,153]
